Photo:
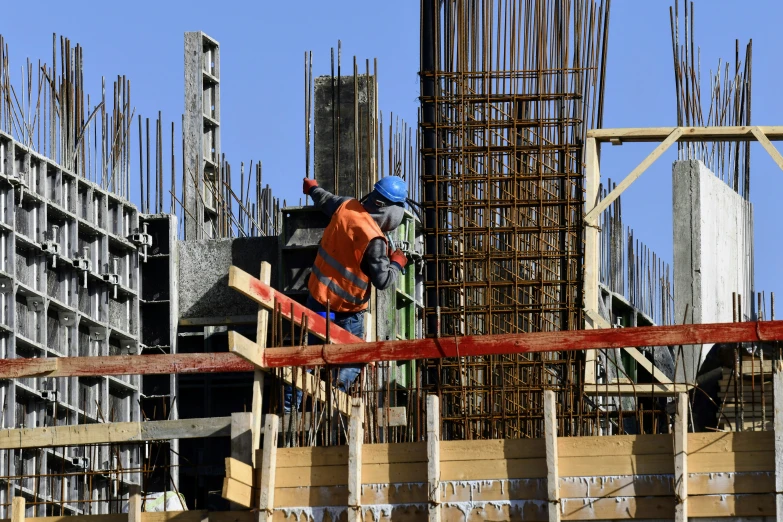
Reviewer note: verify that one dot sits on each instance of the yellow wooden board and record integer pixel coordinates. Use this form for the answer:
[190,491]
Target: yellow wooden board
[338,455]
[239,471]
[238,492]
[618,465]
[731,506]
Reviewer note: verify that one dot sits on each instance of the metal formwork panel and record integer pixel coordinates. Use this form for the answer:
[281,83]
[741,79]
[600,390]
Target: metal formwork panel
[52,222]
[159,312]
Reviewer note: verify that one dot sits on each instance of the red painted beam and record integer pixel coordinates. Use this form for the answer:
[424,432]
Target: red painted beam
[400,350]
[525,343]
[265,296]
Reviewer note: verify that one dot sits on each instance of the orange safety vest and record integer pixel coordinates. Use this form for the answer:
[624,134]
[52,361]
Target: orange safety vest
[337,276]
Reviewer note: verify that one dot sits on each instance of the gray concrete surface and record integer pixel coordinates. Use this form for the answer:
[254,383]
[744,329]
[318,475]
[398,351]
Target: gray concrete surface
[203,274]
[324,143]
[713,254]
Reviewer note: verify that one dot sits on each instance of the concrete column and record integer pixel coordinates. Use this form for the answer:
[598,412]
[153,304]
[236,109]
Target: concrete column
[201,134]
[335,125]
[713,254]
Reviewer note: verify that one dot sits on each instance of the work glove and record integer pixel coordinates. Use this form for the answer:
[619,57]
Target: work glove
[398,258]
[308,185]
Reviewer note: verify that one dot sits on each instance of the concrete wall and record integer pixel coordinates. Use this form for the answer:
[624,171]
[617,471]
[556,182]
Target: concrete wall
[713,253]
[203,272]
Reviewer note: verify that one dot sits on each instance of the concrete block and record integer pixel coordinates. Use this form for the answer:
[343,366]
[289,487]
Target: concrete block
[713,254]
[326,123]
[203,274]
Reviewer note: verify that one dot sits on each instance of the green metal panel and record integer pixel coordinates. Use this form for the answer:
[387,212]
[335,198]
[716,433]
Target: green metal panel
[406,310]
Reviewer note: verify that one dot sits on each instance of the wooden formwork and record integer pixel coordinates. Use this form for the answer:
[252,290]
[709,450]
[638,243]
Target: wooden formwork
[595,478]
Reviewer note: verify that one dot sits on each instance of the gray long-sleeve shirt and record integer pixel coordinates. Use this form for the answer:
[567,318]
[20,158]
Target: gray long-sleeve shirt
[375,262]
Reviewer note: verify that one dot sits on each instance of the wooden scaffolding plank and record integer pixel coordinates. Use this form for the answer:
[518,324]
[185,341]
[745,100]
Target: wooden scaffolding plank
[112,365]
[397,417]
[637,389]
[652,134]
[539,342]
[114,432]
[265,296]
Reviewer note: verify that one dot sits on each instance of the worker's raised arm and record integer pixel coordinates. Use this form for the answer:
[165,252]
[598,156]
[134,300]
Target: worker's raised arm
[382,269]
[324,200]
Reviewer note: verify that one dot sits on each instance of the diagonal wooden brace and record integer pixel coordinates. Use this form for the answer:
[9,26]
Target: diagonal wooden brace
[265,296]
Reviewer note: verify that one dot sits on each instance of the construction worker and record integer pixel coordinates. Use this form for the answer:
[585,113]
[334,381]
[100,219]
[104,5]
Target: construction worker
[353,253]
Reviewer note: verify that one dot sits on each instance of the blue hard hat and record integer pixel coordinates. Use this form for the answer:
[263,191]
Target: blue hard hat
[392,188]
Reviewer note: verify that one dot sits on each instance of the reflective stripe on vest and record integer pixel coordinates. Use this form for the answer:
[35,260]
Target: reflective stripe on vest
[340,268]
[335,289]
[337,276]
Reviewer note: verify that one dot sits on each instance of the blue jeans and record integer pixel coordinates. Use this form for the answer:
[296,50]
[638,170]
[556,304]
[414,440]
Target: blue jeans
[343,376]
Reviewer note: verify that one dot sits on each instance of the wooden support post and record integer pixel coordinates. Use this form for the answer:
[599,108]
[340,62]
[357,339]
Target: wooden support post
[134,503]
[681,459]
[552,472]
[355,442]
[433,457]
[17,509]
[777,397]
[592,248]
[258,375]
[266,496]
[241,437]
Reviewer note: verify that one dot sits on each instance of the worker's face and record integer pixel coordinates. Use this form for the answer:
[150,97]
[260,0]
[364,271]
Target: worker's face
[388,217]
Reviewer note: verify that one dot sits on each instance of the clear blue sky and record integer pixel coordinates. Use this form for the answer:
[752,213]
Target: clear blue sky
[262,46]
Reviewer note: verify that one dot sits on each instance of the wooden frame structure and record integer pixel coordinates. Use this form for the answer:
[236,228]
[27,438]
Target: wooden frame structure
[669,476]
[555,478]
[666,137]
[573,478]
